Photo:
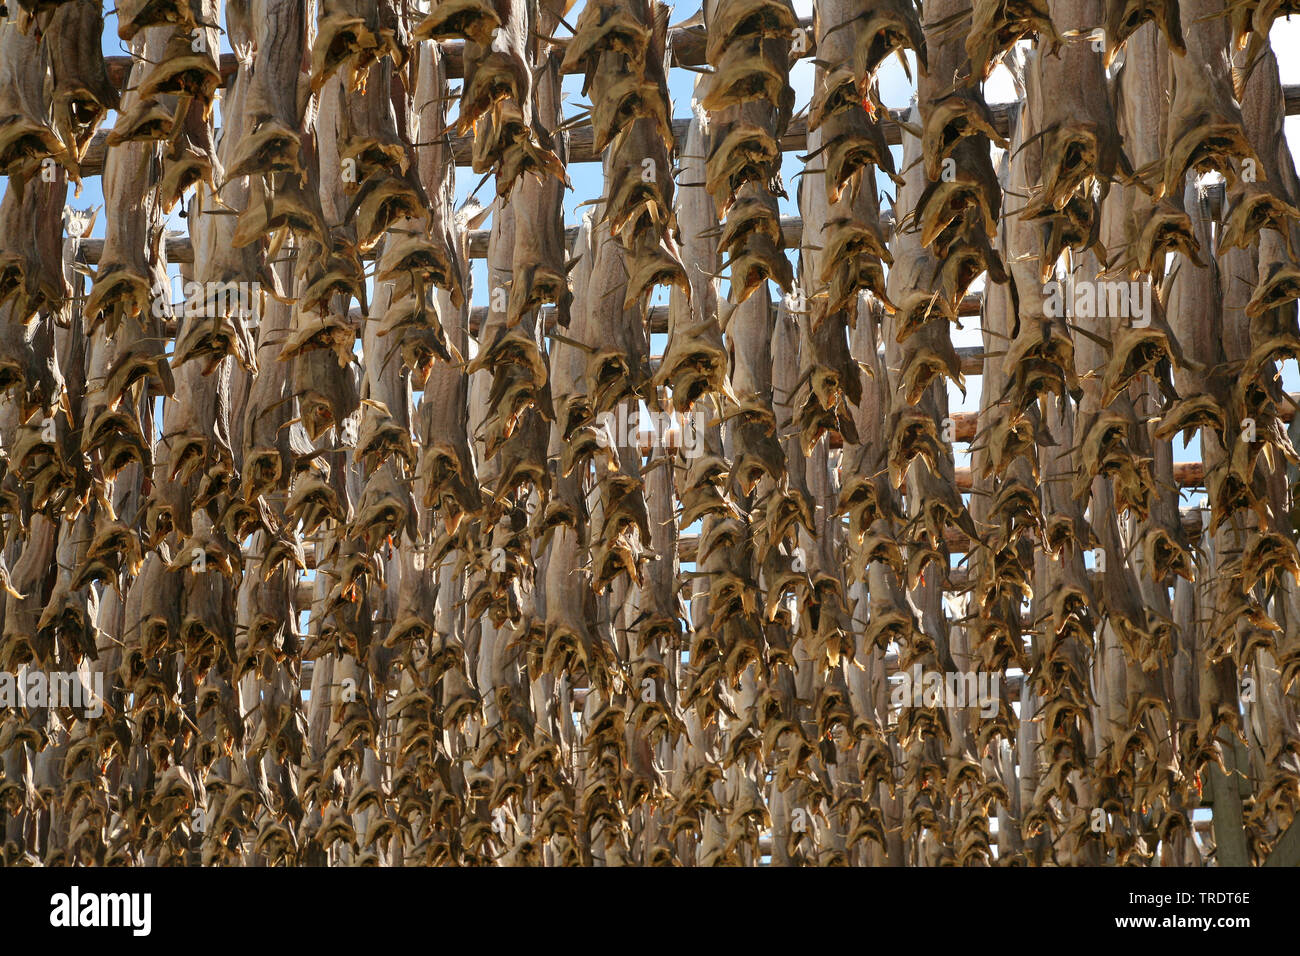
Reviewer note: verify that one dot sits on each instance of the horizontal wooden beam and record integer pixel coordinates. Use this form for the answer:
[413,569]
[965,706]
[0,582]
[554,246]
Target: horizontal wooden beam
[956,539]
[581,142]
[581,138]
[685,48]
[578,695]
[657,317]
[180,249]
[1187,474]
[119,68]
[972,357]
